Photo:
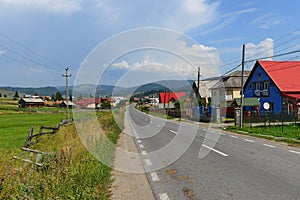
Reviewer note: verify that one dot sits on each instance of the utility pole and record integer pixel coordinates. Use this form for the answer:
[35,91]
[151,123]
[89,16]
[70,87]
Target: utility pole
[67,88]
[199,96]
[165,98]
[242,87]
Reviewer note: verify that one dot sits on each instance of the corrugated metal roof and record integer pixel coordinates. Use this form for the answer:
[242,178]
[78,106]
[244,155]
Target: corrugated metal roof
[168,96]
[33,100]
[232,80]
[285,74]
[205,86]
[253,101]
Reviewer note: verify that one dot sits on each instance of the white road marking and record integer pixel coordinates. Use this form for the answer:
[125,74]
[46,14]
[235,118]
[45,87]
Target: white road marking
[222,133]
[292,151]
[139,141]
[173,132]
[234,136]
[217,151]
[148,162]
[248,140]
[154,176]
[157,125]
[268,145]
[144,153]
[163,196]
[141,146]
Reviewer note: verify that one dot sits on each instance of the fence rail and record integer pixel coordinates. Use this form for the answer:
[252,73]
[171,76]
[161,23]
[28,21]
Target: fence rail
[269,118]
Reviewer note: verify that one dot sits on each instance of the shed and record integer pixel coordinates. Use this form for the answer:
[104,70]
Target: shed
[31,103]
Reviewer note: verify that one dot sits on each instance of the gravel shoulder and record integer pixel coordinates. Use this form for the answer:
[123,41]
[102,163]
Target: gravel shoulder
[128,186]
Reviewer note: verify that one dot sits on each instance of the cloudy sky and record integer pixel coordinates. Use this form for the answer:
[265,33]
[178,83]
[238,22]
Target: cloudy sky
[40,38]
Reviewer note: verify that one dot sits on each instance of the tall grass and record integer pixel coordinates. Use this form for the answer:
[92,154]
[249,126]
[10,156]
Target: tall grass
[69,171]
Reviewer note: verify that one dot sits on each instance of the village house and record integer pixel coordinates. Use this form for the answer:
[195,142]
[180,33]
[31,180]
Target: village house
[276,84]
[64,104]
[30,102]
[167,99]
[226,90]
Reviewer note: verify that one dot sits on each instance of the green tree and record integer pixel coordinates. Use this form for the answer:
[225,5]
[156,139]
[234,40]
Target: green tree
[105,105]
[0,94]
[16,96]
[58,96]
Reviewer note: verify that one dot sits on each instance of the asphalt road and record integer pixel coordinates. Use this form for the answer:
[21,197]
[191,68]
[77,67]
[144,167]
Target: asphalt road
[191,161]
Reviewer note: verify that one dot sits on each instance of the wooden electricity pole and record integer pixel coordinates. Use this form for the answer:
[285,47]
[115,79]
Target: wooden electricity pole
[242,87]
[67,88]
[199,96]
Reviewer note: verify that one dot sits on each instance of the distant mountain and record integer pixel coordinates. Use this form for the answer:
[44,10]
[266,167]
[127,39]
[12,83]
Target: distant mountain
[42,91]
[105,90]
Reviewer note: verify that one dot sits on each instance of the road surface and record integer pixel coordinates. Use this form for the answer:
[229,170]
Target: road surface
[236,167]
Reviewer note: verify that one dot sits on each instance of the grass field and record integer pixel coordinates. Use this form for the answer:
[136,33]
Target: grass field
[69,172]
[286,133]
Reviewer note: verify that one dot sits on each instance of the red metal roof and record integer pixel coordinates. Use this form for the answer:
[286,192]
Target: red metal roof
[166,97]
[293,96]
[285,74]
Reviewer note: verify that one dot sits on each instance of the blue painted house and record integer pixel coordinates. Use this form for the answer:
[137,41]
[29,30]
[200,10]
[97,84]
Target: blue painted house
[276,84]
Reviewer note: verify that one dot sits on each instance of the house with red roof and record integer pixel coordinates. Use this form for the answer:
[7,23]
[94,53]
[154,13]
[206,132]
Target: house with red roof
[276,84]
[167,97]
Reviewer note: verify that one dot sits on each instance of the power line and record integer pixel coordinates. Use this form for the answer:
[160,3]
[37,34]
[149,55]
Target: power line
[28,49]
[28,59]
[273,56]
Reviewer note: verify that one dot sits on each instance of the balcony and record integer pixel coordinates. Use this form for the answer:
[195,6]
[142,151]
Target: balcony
[265,93]
[228,98]
[257,93]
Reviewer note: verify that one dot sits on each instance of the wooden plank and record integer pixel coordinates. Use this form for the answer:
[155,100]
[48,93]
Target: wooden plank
[48,127]
[32,150]
[29,137]
[28,161]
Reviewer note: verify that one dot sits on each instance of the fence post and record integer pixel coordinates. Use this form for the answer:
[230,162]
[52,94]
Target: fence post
[29,137]
[281,122]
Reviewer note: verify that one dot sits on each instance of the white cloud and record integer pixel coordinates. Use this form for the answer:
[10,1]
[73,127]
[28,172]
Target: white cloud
[58,6]
[179,15]
[264,49]
[2,52]
[267,21]
[162,65]
[122,65]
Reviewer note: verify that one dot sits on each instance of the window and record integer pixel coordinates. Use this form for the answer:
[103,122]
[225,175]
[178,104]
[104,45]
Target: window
[257,86]
[266,85]
[265,91]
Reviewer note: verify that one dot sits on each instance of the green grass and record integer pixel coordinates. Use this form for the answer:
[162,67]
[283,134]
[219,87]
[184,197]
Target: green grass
[14,127]
[70,172]
[287,133]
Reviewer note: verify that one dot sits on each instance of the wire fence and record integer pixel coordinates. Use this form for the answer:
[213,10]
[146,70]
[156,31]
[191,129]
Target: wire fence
[269,118]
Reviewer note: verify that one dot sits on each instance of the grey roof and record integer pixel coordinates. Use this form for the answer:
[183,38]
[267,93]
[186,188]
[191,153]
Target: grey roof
[232,80]
[70,103]
[205,86]
[33,100]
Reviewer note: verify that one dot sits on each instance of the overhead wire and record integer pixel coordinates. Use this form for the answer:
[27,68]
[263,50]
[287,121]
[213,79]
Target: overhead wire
[30,50]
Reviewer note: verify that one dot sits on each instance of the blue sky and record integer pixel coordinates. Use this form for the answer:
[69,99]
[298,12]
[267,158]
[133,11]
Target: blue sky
[40,38]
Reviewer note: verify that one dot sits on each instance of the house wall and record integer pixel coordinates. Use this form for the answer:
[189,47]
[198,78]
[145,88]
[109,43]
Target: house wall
[236,93]
[272,95]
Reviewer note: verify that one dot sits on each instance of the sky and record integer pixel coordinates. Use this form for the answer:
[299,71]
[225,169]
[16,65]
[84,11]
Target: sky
[132,42]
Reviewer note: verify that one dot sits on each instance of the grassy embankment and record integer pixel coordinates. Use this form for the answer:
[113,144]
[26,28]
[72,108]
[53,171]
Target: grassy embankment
[286,133]
[69,171]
